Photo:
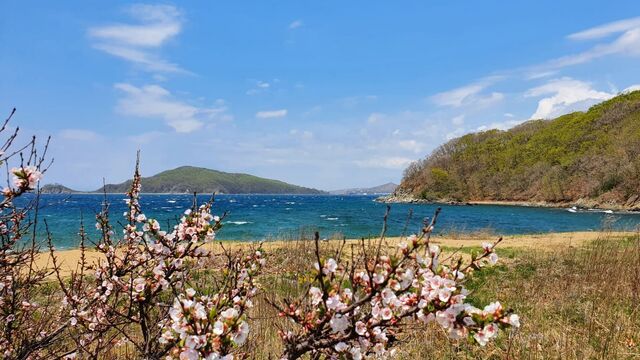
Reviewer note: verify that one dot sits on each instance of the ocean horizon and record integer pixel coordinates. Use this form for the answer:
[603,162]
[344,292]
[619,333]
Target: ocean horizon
[255,217]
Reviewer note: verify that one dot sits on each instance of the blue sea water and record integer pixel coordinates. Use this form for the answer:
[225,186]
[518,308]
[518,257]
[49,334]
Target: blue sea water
[256,217]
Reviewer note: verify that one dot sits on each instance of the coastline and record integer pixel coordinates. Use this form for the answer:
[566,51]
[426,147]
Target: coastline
[68,258]
[581,204]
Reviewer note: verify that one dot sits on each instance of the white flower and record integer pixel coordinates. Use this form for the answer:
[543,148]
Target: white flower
[487,333]
[341,346]
[194,342]
[334,303]
[189,354]
[388,296]
[240,335]
[230,313]
[339,323]
[386,313]
[493,308]
[361,328]
[514,320]
[200,312]
[330,266]
[356,353]
[378,278]
[218,328]
[316,295]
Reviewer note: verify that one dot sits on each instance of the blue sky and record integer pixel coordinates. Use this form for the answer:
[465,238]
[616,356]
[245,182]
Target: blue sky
[323,94]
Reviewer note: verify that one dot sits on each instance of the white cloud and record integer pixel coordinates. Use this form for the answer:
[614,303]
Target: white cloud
[458,120]
[391,162]
[295,24]
[566,95]
[606,29]
[271,114]
[260,87]
[469,94]
[539,74]
[411,145]
[375,118]
[78,134]
[154,101]
[631,88]
[626,42]
[137,43]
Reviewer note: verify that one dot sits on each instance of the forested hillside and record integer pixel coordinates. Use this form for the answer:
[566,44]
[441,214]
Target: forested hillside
[590,158]
[188,179]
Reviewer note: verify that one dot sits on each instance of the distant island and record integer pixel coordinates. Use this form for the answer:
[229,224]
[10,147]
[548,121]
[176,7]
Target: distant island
[587,159]
[189,179]
[387,188]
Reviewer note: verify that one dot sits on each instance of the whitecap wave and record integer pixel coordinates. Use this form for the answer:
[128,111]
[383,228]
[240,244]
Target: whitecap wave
[238,222]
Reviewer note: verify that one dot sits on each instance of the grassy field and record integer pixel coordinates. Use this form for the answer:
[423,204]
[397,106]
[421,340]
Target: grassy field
[577,300]
[578,296]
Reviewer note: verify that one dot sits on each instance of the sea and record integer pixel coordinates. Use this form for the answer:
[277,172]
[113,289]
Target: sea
[288,217]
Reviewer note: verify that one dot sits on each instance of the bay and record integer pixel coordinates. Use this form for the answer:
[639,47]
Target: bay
[258,217]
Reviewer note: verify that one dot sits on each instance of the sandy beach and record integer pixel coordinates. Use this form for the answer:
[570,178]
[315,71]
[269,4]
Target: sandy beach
[541,242]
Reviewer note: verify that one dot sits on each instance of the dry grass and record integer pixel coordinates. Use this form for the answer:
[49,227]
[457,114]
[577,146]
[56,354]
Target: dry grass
[578,295]
[575,302]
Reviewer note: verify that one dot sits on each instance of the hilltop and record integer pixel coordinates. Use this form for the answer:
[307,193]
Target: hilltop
[189,179]
[589,159]
[56,189]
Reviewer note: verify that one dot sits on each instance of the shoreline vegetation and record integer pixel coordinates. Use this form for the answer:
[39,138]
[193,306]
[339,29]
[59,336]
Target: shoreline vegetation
[580,204]
[584,159]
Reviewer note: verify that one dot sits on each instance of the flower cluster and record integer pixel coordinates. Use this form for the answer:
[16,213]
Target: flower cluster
[137,272]
[26,324]
[26,178]
[355,311]
[208,327]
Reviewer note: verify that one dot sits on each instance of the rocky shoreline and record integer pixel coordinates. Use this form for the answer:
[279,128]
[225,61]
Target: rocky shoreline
[580,204]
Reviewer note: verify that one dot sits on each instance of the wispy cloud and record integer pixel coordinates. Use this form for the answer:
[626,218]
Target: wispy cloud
[271,114]
[259,87]
[139,43]
[606,29]
[156,102]
[469,95]
[626,40]
[295,24]
[566,95]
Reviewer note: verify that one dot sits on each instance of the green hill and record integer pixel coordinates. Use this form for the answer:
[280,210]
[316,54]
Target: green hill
[587,158]
[188,179]
[56,189]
